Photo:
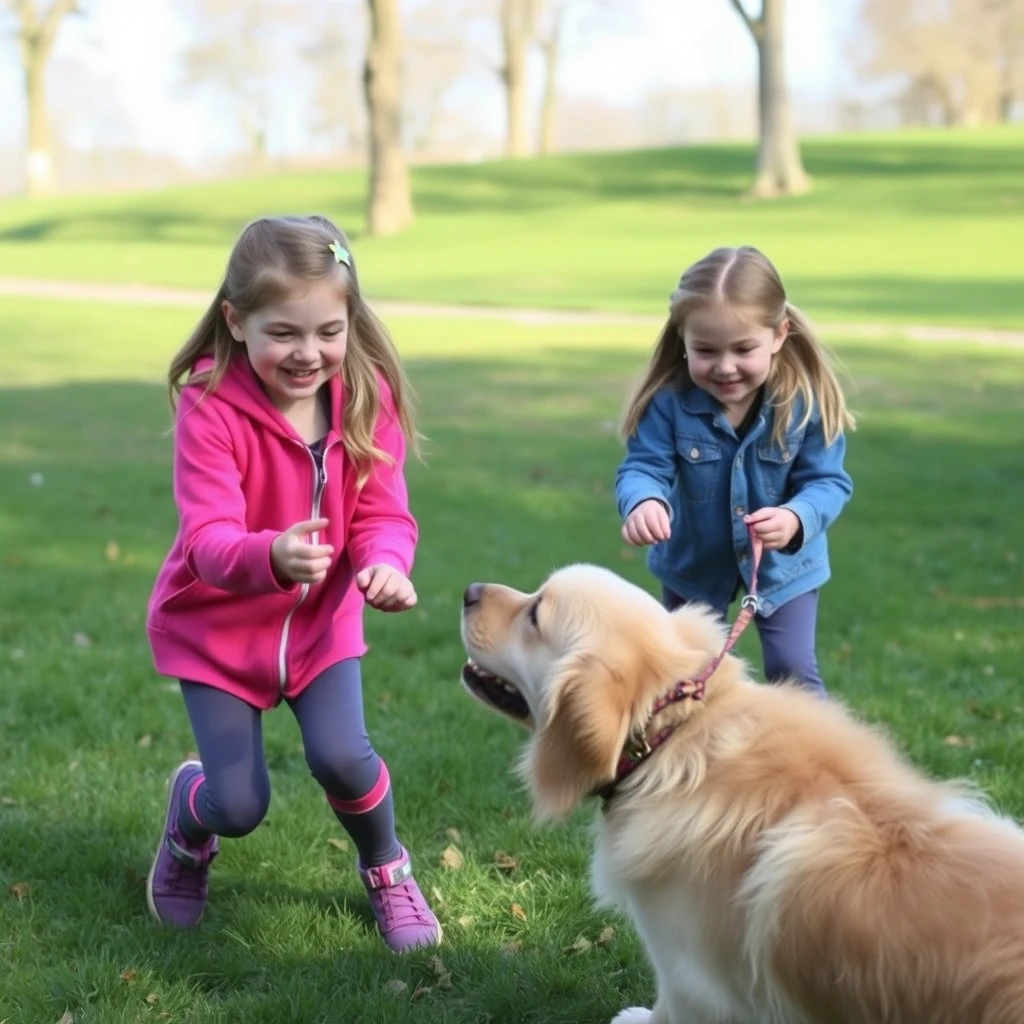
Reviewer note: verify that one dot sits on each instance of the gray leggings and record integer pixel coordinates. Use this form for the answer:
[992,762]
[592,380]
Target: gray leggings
[235,794]
[787,638]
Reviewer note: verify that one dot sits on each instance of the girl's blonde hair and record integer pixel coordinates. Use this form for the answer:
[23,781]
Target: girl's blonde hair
[801,375]
[271,254]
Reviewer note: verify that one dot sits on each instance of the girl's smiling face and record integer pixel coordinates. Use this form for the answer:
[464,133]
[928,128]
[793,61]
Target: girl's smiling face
[729,355]
[296,344]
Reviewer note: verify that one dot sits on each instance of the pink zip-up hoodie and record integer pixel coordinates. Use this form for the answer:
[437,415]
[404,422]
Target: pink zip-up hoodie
[217,614]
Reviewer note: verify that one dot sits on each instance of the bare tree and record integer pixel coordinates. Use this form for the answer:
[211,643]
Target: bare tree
[780,170]
[37,32]
[552,19]
[439,55]
[234,54]
[958,61]
[518,26]
[550,42]
[334,56]
[389,204]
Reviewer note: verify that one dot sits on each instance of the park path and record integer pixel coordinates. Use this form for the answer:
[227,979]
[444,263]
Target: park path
[152,295]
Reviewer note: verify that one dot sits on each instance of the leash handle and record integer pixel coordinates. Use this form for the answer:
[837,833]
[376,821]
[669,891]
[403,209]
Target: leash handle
[750,600]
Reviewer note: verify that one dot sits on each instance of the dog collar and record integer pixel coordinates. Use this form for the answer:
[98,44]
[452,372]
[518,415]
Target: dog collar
[639,746]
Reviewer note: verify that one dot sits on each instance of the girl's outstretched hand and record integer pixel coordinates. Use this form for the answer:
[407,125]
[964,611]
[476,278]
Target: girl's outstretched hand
[296,560]
[648,523]
[775,527]
[386,589]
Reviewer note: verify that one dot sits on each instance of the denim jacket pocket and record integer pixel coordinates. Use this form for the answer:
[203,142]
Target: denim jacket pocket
[775,462]
[700,466]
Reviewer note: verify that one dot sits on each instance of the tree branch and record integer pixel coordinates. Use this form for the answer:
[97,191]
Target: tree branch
[754,24]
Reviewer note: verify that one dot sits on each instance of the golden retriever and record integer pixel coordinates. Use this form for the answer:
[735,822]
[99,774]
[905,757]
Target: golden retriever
[780,861]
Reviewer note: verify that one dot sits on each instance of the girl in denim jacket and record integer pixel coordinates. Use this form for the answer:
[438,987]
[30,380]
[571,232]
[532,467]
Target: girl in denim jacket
[737,427]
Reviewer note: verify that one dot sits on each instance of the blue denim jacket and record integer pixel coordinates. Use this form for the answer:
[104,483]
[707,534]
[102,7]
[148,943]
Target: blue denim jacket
[686,454]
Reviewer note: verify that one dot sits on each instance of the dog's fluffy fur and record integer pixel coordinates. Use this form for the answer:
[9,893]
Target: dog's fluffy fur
[781,863]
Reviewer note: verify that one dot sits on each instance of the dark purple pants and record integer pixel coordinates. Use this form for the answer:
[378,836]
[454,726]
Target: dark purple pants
[234,794]
[787,638]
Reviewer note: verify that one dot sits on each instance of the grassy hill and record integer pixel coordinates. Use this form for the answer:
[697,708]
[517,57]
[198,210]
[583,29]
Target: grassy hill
[921,227]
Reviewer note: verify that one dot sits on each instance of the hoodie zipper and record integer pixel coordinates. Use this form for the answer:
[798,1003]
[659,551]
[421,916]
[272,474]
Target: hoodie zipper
[319,483]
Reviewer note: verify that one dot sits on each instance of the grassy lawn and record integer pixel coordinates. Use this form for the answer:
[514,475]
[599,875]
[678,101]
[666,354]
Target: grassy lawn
[921,227]
[920,630]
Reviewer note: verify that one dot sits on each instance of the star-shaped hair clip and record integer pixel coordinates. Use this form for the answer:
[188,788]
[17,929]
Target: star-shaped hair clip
[341,254]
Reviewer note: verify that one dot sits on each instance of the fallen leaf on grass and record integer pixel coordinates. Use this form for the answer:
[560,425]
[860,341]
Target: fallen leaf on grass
[128,975]
[581,945]
[419,992]
[20,891]
[606,936]
[339,844]
[451,859]
[67,1017]
[395,987]
[517,912]
[504,862]
[958,741]
[443,975]
[112,551]
[81,640]
[152,999]
[146,740]
[453,834]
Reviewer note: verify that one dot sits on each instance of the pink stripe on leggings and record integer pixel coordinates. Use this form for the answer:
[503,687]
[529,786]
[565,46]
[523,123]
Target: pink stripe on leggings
[193,789]
[364,803]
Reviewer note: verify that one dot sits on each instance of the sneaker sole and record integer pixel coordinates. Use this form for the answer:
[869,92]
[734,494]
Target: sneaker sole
[172,782]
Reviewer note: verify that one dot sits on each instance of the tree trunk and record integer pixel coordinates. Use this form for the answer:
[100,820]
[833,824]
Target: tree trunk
[36,35]
[39,176]
[780,171]
[517,18]
[389,205]
[546,139]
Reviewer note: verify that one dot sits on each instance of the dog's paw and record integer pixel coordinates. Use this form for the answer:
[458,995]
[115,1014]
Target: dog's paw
[632,1015]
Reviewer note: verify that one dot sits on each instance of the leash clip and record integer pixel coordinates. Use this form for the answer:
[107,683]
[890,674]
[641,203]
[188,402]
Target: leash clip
[751,603]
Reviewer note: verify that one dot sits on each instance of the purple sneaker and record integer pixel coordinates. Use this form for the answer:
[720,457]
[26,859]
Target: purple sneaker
[403,918]
[177,882]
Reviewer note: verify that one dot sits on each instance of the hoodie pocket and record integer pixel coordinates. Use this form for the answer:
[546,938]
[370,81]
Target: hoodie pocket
[700,466]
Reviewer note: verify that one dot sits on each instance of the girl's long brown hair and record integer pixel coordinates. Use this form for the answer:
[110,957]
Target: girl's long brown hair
[271,254]
[801,375]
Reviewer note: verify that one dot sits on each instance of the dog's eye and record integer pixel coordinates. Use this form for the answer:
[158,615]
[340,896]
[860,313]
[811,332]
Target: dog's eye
[532,614]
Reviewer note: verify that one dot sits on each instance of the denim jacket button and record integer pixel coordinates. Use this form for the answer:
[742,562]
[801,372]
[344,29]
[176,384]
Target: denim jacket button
[694,453]
[740,511]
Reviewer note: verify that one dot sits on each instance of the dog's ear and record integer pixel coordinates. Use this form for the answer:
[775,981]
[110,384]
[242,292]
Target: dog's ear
[577,745]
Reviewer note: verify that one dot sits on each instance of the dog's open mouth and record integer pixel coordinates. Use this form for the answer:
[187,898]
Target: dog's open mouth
[494,691]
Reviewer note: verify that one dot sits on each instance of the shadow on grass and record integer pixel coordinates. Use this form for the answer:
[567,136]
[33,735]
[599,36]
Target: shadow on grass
[944,174]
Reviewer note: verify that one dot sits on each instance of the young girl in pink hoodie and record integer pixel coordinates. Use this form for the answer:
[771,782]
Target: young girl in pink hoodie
[289,443]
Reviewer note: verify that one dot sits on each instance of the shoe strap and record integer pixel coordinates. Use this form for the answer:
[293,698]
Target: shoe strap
[191,857]
[389,875]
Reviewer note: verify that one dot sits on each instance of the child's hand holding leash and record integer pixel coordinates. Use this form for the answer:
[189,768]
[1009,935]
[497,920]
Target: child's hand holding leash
[774,527]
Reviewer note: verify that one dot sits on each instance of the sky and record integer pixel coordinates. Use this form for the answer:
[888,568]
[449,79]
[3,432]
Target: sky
[131,48]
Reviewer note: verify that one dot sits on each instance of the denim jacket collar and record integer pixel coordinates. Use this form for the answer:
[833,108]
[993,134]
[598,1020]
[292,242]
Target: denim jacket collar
[697,402]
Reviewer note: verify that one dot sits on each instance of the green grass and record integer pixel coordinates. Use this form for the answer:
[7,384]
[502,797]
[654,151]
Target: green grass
[920,630]
[923,227]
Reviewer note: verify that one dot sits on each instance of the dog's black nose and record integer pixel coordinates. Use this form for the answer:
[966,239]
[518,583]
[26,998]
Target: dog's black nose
[472,594]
